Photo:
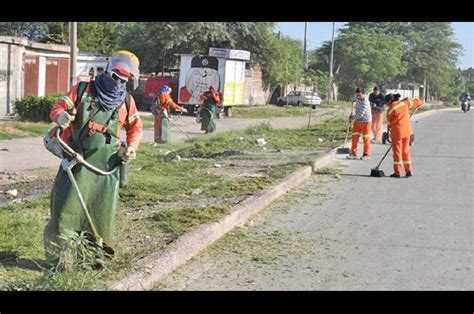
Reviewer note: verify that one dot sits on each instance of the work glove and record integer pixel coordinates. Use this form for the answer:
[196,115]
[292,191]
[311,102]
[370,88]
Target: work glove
[127,153]
[65,119]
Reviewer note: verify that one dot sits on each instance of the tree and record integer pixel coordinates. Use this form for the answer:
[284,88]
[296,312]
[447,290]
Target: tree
[431,53]
[35,31]
[57,33]
[99,37]
[284,62]
[367,57]
[468,79]
[428,50]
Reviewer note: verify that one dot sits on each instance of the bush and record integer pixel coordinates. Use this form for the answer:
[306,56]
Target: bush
[36,108]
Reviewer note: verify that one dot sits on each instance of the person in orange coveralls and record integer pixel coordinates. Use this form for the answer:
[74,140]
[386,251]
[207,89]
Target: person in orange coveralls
[103,107]
[400,127]
[162,115]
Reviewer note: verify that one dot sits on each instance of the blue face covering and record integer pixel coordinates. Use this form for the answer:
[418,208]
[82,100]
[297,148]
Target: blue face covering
[109,92]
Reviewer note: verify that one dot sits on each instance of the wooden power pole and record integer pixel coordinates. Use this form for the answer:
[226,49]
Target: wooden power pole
[331,61]
[73,53]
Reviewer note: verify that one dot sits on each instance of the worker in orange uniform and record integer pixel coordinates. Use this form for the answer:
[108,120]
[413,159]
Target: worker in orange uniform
[362,123]
[162,115]
[400,127]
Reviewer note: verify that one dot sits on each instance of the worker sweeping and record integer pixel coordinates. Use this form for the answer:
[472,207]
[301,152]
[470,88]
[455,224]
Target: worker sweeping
[361,127]
[102,108]
[211,99]
[162,115]
[399,120]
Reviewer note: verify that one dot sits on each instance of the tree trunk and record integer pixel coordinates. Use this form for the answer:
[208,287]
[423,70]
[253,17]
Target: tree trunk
[424,90]
[163,64]
[334,91]
[428,91]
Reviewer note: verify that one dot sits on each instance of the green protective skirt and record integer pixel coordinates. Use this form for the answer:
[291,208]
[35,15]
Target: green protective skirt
[208,119]
[100,194]
[163,129]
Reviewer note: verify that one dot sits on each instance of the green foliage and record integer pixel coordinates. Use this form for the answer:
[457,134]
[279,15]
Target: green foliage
[36,108]
[99,37]
[80,253]
[178,222]
[368,58]
[284,62]
[381,53]
[32,30]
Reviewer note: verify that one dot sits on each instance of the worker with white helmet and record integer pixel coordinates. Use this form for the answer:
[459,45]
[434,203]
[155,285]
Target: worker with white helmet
[103,107]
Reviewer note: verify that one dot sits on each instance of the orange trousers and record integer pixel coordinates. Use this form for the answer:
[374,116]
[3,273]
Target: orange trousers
[377,123]
[401,155]
[361,129]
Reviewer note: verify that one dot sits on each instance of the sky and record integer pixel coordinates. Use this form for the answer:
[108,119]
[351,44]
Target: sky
[318,32]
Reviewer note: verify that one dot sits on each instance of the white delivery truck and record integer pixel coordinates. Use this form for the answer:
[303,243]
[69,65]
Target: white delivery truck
[223,68]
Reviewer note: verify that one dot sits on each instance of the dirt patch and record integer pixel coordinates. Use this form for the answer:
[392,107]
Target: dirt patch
[17,187]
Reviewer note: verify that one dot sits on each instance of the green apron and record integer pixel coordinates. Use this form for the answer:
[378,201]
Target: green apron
[208,115]
[100,193]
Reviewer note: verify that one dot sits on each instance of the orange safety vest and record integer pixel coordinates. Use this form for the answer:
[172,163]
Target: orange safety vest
[166,101]
[128,119]
[399,118]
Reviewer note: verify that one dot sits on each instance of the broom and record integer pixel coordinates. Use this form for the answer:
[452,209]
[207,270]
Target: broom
[345,150]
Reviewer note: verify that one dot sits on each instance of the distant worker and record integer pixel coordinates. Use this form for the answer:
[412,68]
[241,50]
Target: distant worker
[361,127]
[211,99]
[376,99]
[162,115]
[400,127]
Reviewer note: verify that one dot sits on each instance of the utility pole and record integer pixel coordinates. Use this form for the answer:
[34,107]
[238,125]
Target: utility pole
[305,45]
[331,61]
[73,53]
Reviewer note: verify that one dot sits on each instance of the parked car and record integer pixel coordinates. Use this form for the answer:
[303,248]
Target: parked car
[298,98]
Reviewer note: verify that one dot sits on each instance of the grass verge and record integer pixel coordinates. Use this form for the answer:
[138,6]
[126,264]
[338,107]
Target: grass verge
[17,129]
[166,197]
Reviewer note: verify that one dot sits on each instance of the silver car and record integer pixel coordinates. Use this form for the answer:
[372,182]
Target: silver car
[298,98]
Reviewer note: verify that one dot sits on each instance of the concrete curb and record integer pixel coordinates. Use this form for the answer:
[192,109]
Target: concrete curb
[159,264]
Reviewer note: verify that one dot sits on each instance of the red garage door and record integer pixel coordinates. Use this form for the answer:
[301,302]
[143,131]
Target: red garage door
[30,66]
[56,76]
[63,85]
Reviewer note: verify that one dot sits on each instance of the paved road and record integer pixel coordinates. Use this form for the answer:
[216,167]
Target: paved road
[357,232]
[29,153]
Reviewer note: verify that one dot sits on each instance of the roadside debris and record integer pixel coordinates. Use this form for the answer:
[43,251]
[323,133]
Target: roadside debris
[196,192]
[261,141]
[13,192]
